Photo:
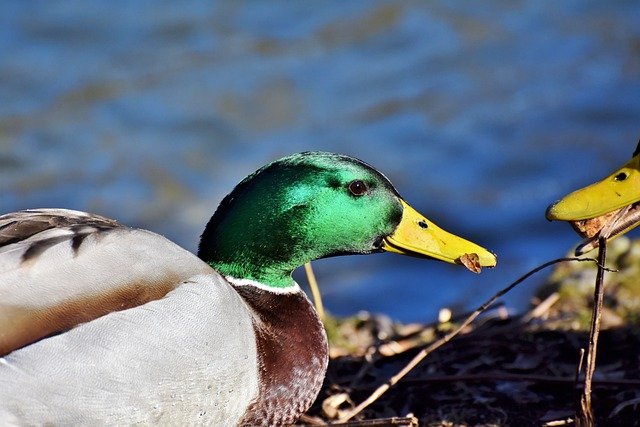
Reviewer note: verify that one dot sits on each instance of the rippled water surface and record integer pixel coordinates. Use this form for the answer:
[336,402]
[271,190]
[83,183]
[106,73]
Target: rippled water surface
[480,113]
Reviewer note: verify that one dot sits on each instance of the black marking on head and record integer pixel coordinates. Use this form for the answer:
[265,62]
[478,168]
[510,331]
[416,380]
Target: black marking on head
[334,183]
[635,153]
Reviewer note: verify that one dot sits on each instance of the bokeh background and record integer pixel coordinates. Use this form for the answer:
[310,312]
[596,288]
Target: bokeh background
[481,113]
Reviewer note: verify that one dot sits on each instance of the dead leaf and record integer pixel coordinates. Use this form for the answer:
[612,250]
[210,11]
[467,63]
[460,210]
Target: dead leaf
[471,261]
[590,227]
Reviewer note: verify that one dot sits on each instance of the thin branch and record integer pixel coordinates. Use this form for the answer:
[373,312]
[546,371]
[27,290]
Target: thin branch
[585,415]
[445,339]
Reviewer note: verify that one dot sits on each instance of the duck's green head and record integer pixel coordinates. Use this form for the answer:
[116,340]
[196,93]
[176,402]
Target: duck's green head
[596,207]
[314,205]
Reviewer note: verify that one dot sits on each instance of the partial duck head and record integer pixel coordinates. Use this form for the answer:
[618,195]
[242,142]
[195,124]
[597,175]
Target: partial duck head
[608,208]
[314,205]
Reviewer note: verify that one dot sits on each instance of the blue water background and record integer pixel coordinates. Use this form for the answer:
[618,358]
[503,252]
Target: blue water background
[481,113]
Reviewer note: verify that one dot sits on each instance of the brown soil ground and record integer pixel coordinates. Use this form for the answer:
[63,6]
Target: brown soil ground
[501,371]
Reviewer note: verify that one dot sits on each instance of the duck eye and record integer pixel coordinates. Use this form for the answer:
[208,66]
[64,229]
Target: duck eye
[357,187]
[620,177]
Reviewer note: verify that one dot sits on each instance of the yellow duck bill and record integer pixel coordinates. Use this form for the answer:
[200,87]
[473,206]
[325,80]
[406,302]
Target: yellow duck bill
[608,208]
[417,236]
[620,189]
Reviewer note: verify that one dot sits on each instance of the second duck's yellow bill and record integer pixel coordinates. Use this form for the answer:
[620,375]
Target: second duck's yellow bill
[416,235]
[620,189]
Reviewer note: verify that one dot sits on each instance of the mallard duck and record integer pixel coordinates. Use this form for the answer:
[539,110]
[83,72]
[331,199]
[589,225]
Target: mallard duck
[611,204]
[105,324]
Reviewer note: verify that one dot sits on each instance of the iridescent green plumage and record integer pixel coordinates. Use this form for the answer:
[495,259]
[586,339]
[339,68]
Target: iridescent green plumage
[297,209]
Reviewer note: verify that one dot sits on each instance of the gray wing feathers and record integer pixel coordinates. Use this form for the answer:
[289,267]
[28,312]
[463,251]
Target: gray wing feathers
[60,268]
[27,229]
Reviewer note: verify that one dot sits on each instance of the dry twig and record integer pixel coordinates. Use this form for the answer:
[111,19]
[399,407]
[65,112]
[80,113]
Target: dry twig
[585,416]
[437,344]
